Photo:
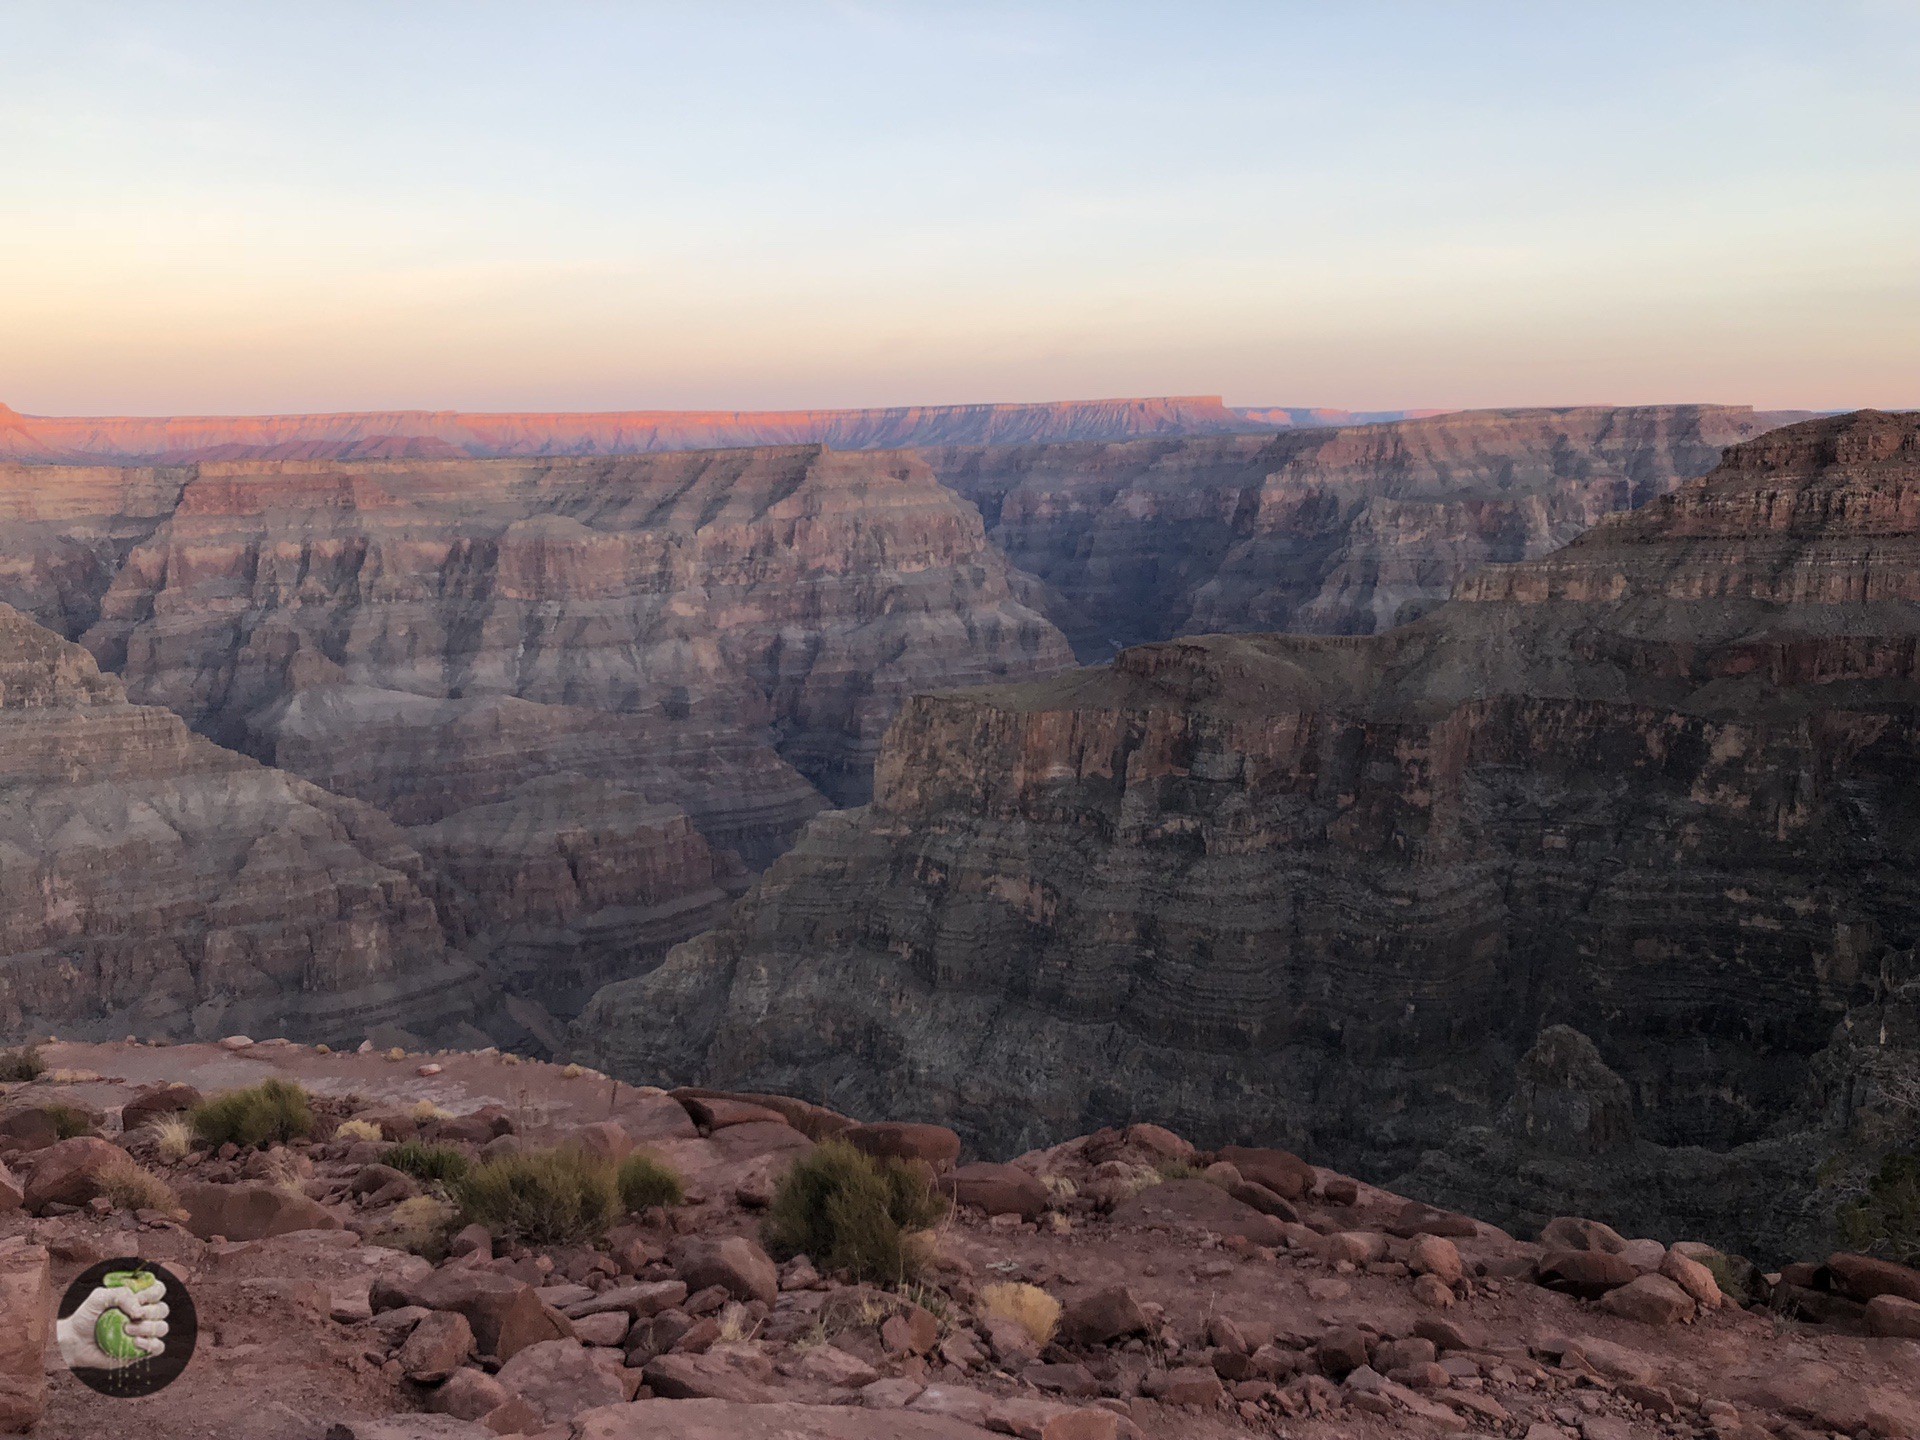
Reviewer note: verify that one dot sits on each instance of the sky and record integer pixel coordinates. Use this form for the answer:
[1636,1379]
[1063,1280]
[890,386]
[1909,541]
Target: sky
[238,208]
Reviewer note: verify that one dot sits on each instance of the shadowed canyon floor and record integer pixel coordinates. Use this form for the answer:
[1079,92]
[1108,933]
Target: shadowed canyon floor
[1119,1286]
[1594,889]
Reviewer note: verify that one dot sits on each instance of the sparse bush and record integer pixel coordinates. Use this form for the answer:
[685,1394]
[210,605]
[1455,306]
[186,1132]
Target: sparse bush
[441,1163]
[352,1130]
[22,1064]
[68,1120]
[847,1211]
[425,1110]
[422,1225]
[646,1180]
[1886,1220]
[1173,1169]
[273,1110]
[172,1137]
[1731,1278]
[1028,1306]
[543,1197]
[132,1187]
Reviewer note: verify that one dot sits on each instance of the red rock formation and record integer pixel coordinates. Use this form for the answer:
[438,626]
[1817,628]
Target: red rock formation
[1658,786]
[422,433]
[1331,531]
[150,880]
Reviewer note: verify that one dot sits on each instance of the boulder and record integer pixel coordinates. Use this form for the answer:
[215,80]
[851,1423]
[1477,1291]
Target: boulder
[1862,1277]
[1356,1247]
[469,1394]
[1432,1291]
[1414,1219]
[1570,1232]
[505,1314]
[27,1129]
[1263,1200]
[826,1365]
[996,1189]
[735,1264]
[913,1331]
[1893,1316]
[410,1427]
[1193,1385]
[1651,1299]
[725,1420]
[155,1101]
[1158,1140]
[641,1301]
[12,1193]
[1339,1190]
[68,1171]
[559,1379]
[1281,1171]
[26,1327]
[1102,1317]
[1694,1278]
[1588,1274]
[608,1328]
[718,1112]
[704,1377]
[252,1210]
[438,1346]
[1437,1256]
[935,1144]
[605,1140]
[1340,1352]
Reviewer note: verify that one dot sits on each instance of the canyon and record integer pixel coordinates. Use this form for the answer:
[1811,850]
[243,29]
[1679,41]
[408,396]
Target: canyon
[594,694]
[1593,889]
[150,879]
[450,434]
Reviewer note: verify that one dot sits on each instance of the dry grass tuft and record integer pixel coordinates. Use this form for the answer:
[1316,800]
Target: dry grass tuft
[1028,1306]
[646,1181]
[352,1130]
[131,1186]
[423,1225]
[425,1110]
[172,1137]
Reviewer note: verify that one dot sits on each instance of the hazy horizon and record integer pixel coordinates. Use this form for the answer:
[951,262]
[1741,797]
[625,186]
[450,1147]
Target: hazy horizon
[226,209]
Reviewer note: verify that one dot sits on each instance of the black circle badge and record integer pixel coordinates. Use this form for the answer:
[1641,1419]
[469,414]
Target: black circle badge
[127,1327]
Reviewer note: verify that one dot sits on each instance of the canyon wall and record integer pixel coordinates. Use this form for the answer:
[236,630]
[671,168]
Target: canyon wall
[595,690]
[151,881]
[447,434]
[1592,888]
[1329,531]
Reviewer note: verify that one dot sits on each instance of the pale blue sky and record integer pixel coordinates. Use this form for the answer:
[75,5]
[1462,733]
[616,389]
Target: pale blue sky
[278,206]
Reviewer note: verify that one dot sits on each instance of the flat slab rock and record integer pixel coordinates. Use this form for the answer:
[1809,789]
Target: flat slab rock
[725,1420]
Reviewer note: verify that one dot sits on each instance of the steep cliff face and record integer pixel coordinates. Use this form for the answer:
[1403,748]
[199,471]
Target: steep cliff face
[1659,787]
[395,434]
[589,682]
[1326,531]
[151,881]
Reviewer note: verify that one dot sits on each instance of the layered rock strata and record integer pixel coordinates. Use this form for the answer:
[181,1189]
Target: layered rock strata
[151,880]
[1657,787]
[447,434]
[1329,531]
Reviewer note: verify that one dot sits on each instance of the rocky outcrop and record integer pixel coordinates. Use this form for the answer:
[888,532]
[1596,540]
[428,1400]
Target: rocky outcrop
[1329,892]
[1339,531]
[396,434]
[152,881]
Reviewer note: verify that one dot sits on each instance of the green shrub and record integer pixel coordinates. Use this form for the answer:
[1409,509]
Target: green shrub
[274,1111]
[68,1121]
[22,1064]
[646,1181]
[428,1162]
[847,1211]
[1173,1169]
[1886,1220]
[543,1197]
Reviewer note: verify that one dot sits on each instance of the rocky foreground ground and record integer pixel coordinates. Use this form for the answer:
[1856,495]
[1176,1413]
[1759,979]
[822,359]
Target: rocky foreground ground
[1245,1292]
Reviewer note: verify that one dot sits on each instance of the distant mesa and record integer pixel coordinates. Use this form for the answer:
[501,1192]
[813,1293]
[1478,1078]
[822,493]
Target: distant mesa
[414,434]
